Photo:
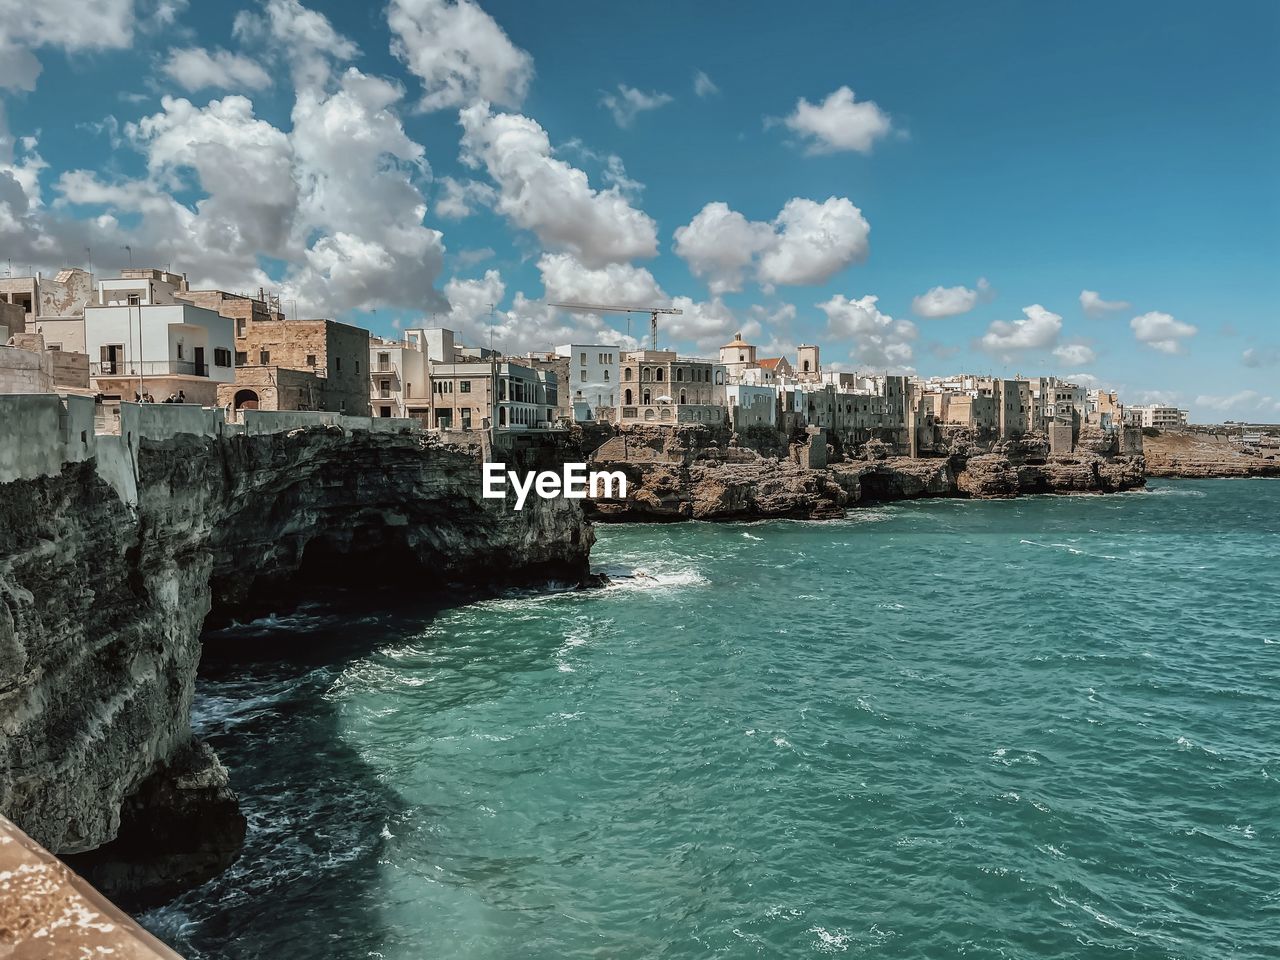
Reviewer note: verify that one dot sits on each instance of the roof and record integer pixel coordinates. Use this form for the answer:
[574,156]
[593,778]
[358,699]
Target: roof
[769,363]
[737,342]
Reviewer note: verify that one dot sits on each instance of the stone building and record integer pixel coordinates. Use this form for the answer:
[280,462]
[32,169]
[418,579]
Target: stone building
[336,354]
[737,357]
[61,297]
[463,395]
[656,384]
[560,366]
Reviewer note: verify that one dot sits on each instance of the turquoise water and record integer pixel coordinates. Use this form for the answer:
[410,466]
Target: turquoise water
[1040,728]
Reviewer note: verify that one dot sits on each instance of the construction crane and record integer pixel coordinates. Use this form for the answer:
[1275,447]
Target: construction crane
[604,308]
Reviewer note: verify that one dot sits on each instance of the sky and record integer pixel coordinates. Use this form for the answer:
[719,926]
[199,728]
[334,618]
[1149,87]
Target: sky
[1089,189]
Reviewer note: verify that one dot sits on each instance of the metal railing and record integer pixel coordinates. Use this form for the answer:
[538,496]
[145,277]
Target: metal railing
[148,368]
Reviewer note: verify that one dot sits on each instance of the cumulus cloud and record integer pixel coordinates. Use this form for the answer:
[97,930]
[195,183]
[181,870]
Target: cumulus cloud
[1095,306]
[879,341]
[1038,330]
[72,26]
[305,37]
[1247,401]
[1074,354]
[553,199]
[839,123]
[704,86]
[194,68]
[460,198]
[1260,356]
[807,243]
[1161,332]
[459,52]
[948,301]
[628,101]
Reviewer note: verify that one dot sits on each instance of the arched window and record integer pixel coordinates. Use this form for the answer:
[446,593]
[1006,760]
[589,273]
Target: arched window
[679,374]
[665,413]
[626,396]
[626,373]
[719,376]
[806,366]
[648,413]
[606,374]
[646,374]
[682,399]
[657,375]
[646,399]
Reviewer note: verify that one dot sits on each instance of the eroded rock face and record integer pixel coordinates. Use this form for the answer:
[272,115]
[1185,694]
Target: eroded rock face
[102,606]
[1172,453]
[760,487]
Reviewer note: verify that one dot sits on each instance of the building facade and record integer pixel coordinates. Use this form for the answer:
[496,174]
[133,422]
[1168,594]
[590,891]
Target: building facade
[337,354]
[400,377]
[592,378]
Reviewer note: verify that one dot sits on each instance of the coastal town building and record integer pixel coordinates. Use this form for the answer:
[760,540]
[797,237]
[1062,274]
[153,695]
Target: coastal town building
[158,349]
[751,406]
[1159,416]
[400,376]
[659,386]
[592,378]
[463,396]
[737,357]
[553,362]
[335,356]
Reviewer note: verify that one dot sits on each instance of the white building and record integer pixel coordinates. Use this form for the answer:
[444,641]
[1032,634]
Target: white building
[400,374]
[141,287]
[593,377]
[751,406]
[1159,416]
[159,349]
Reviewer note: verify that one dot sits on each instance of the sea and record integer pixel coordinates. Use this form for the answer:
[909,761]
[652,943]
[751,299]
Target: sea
[1038,728]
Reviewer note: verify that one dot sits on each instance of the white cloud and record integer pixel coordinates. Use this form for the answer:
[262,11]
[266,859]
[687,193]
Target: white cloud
[719,244]
[567,280]
[1249,401]
[459,52]
[68,25]
[839,123]
[1074,354]
[816,241]
[1160,331]
[1260,356]
[460,198]
[194,68]
[628,101]
[806,243]
[1038,330]
[948,301]
[1095,306]
[305,37]
[704,86]
[551,198]
[879,341]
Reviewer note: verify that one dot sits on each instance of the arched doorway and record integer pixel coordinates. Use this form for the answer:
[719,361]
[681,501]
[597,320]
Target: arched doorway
[626,396]
[245,400]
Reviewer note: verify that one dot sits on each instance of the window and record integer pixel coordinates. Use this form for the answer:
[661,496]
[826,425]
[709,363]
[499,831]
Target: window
[583,376]
[658,375]
[606,374]
[134,300]
[385,387]
[626,373]
[53,346]
[357,367]
[221,357]
[179,349]
[240,328]
[264,357]
[384,361]
[337,364]
[583,359]
[311,359]
[242,358]
[464,386]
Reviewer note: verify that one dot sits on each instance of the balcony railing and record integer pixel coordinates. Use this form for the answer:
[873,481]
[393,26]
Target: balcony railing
[148,368]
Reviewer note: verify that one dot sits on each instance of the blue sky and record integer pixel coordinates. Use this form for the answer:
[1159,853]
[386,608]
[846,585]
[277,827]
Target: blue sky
[766,168]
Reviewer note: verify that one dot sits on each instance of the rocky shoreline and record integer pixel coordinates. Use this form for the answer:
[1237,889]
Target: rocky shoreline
[1204,456]
[103,601]
[692,478]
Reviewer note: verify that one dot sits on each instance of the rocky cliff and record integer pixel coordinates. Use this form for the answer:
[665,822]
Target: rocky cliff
[1186,454]
[102,603]
[678,478]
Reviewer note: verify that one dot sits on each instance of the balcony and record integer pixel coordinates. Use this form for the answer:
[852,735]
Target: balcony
[148,368]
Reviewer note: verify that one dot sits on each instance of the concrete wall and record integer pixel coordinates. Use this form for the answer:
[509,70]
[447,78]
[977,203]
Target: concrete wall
[24,371]
[1060,438]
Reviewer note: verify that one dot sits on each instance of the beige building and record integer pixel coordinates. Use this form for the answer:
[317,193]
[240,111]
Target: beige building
[335,354]
[737,357]
[656,384]
[463,396]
